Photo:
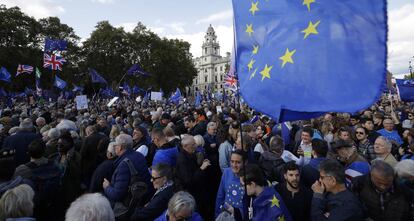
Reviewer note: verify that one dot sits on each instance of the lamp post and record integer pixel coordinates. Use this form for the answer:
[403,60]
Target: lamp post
[411,69]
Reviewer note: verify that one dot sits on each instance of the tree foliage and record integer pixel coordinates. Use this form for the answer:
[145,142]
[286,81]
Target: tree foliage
[109,50]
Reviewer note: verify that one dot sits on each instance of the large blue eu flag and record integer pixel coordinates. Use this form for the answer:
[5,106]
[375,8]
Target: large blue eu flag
[299,58]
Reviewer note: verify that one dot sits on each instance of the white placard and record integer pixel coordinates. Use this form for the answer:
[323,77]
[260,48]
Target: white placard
[218,109]
[139,99]
[81,102]
[156,96]
[112,101]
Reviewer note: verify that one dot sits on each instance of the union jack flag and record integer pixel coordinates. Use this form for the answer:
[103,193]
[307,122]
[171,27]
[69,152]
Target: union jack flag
[22,68]
[53,62]
[230,81]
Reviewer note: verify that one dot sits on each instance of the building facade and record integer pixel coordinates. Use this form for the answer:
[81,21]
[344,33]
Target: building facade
[211,66]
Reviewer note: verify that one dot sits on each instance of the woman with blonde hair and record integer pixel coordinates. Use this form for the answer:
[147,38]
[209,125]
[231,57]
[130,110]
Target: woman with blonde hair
[17,204]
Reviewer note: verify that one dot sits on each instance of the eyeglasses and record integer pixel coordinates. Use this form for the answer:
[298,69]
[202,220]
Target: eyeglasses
[155,178]
[359,133]
[323,177]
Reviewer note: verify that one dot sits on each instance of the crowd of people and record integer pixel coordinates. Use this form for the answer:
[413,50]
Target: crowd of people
[161,161]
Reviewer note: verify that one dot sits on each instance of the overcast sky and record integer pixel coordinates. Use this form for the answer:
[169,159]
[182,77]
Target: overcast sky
[188,20]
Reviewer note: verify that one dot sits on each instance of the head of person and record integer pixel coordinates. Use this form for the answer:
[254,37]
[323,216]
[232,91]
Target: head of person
[65,143]
[344,149]
[361,133]
[158,137]
[17,202]
[237,158]
[382,146]
[212,128]
[405,171]
[388,124]
[260,130]
[165,118]
[102,123]
[306,135]
[331,174]
[181,206]
[199,141]
[40,122]
[189,122]
[252,178]
[36,149]
[291,174]
[160,174]
[234,129]
[91,206]
[249,130]
[198,114]
[344,134]
[91,130]
[53,134]
[110,151]
[276,145]
[408,134]
[327,127]
[328,117]
[26,125]
[244,141]
[319,148]
[123,142]
[367,113]
[354,120]
[137,133]
[188,144]
[382,175]
[367,123]
[378,117]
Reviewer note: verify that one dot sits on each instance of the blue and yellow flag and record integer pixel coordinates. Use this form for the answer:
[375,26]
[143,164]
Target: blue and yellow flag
[298,58]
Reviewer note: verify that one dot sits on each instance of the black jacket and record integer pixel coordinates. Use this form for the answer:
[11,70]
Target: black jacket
[19,142]
[396,201]
[272,166]
[155,207]
[298,204]
[89,155]
[103,171]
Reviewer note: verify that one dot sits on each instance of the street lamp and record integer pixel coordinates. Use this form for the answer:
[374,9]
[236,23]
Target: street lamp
[411,69]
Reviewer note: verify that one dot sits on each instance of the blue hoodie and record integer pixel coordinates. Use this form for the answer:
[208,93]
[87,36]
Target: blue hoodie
[270,206]
[230,191]
[194,217]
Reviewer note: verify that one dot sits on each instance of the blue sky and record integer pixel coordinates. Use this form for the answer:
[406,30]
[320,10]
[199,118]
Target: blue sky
[188,20]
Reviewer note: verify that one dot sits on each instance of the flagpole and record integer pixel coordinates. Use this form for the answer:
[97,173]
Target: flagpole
[119,83]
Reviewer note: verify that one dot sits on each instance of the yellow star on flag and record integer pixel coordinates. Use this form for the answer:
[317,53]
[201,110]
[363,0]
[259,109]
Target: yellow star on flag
[287,57]
[255,49]
[308,3]
[250,65]
[249,29]
[253,74]
[266,74]
[311,29]
[274,201]
[281,218]
[254,8]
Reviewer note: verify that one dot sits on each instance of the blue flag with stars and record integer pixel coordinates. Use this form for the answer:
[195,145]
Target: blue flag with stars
[299,58]
[59,83]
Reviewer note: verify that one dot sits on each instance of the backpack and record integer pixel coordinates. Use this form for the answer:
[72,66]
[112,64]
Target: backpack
[46,180]
[136,190]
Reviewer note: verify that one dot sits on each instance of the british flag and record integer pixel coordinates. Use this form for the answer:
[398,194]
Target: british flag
[230,81]
[53,62]
[22,68]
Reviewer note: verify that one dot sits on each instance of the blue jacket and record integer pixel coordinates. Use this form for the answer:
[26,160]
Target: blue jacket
[393,135]
[118,188]
[230,191]
[270,206]
[166,155]
[194,217]
[20,142]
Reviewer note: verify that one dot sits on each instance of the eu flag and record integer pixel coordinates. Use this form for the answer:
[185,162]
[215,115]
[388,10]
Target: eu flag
[4,75]
[96,78]
[52,45]
[301,57]
[59,83]
[405,89]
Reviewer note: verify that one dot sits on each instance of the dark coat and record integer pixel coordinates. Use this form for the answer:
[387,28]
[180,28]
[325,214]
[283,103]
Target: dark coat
[118,189]
[310,172]
[298,204]
[272,166]
[20,142]
[396,201]
[155,206]
[199,129]
[103,171]
[89,154]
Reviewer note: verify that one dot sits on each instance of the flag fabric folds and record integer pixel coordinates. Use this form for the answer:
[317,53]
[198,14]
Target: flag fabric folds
[53,45]
[95,77]
[135,69]
[296,59]
[22,68]
[77,88]
[198,99]
[53,62]
[4,75]
[405,89]
[175,98]
[59,83]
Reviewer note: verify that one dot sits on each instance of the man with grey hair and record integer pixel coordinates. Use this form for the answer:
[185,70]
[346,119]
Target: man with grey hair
[92,206]
[128,163]
[382,148]
[382,196]
[40,122]
[181,207]
[21,140]
[17,203]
